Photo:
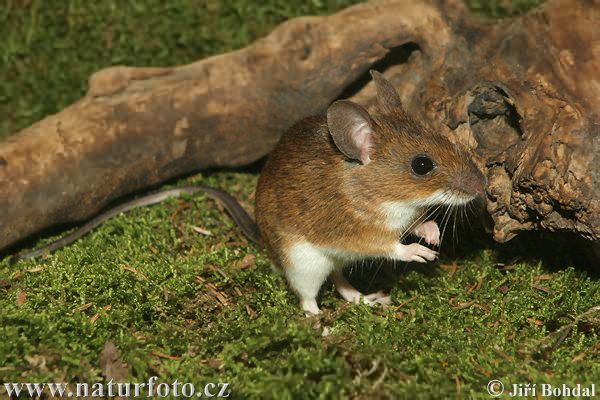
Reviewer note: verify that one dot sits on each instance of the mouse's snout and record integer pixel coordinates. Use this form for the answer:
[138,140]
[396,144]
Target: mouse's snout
[471,182]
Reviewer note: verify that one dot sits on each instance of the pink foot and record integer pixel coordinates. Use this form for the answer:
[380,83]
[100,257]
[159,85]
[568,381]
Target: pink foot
[349,293]
[379,298]
[310,306]
[429,231]
[413,252]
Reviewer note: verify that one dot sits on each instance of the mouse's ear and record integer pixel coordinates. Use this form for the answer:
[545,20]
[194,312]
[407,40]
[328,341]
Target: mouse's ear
[351,128]
[388,100]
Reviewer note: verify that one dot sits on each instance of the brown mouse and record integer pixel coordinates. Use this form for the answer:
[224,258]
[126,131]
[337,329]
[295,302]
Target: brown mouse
[349,185]
[341,188]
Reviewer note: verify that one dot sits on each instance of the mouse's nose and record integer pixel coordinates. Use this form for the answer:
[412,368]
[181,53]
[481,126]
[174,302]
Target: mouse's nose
[471,182]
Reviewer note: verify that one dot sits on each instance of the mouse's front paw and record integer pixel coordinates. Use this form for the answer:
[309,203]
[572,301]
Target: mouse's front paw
[429,231]
[414,252]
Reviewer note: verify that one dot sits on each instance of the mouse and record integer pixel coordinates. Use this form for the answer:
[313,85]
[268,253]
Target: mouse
[339,188]
[350,185]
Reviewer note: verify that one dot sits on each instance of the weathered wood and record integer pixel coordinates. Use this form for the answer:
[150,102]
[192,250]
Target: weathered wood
[140,126]
[523,94]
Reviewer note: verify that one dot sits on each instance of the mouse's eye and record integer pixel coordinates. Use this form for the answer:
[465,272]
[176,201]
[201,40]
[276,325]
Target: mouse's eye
[422,165]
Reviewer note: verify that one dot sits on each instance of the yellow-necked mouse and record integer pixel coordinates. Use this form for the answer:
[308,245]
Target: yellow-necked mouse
[347,186]
[341,188]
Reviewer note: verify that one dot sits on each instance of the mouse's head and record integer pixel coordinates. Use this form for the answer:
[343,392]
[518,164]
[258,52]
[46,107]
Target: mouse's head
[398,158]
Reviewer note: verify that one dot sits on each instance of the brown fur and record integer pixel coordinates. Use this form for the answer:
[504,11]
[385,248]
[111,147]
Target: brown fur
[309,191]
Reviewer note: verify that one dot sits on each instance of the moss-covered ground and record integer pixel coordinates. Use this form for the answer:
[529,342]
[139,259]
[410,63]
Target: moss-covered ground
[182,295]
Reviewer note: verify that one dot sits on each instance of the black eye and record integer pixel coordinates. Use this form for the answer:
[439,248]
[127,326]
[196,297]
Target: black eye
[422,165]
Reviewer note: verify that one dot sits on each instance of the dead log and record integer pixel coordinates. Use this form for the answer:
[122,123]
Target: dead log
[522,93]
[526,95]
[137,127]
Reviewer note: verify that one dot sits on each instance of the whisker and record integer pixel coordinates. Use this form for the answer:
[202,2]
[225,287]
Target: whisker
[429,211]
[469,209]
[466,218]
[444,224]
[374,275]
[454,238]
[413,224]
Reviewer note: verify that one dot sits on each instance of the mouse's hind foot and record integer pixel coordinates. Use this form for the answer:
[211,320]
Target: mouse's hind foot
[349,293]
[378,298]
[310,306]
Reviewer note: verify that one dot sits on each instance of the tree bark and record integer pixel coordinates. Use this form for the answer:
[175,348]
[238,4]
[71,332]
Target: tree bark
[523,94]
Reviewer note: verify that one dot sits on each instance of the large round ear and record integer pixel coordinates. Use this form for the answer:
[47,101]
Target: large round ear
[388,100]
[351,128]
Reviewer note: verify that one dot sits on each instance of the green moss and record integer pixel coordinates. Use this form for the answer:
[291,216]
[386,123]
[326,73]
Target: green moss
[175,301]
[48,50]
[502,8]
[156,273]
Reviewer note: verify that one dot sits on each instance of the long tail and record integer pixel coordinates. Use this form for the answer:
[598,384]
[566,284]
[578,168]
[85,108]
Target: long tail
[231,205]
